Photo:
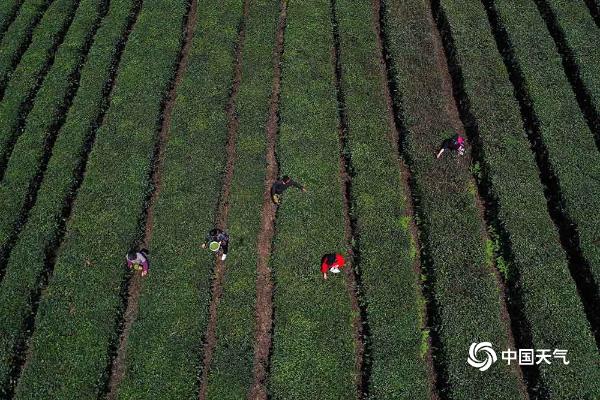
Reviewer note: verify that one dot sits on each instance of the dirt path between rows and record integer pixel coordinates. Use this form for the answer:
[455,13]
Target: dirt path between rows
[210,337]
[452,111]
[264,282]
[134,287]
[434,375]
[360,327]
[22,352]
[436,372]
[359,321]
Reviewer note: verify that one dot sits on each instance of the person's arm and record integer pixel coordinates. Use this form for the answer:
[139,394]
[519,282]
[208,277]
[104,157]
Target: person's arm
[145,267]
[297,185]
[324,269]
[207,240]
[446,145]
[224,238]
[129,263]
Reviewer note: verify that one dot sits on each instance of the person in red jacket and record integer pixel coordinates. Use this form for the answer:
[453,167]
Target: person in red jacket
[332,263]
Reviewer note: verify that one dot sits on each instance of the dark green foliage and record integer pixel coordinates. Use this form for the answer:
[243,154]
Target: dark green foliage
[18,35]
[9,10]
[28,261]
[313,352]
[231,372]
[387,250]
[549,299]
[51,104]
[26,79]
[165,344]
[582,36]
[572,152]
[466,291]
[77,314]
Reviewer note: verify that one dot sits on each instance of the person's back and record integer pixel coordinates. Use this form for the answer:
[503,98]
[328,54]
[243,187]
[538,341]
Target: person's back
[455,143]
[216,235]
[221,237]
[281,185]
[332,263]
[138,260]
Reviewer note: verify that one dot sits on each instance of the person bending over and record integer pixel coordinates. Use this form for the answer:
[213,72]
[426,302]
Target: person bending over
[138,261]
[217,240]
[281,185]
[332,263]
[455,143]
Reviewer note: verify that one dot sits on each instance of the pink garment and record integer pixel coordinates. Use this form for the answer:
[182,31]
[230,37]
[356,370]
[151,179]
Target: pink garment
[139,259]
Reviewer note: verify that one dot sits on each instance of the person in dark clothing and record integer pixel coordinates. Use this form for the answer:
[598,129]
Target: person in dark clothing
[455,143]
[281,185]
[218,241]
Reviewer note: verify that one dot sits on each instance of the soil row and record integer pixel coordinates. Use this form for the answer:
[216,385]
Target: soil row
[353,273]
[221,216]
[264,281]
[134,281]
[59,195]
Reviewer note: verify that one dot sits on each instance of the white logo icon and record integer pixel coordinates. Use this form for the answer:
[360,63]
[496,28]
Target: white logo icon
[490,355]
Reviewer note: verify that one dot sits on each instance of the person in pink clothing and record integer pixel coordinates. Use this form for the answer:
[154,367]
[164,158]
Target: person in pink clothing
[455,143]
[138,260]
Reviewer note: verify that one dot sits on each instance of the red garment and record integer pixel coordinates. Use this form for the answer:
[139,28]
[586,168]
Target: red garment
[339,263]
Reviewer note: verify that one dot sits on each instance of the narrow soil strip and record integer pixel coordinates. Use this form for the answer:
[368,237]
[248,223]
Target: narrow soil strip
[210,337]
[436,371]
[264,282]
[512,310]
[134,286]
[455,108]
[579,266]
[582,94]
[360,324]
[21,350]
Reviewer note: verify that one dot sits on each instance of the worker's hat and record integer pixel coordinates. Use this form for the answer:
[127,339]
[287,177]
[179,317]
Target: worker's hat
[214,246]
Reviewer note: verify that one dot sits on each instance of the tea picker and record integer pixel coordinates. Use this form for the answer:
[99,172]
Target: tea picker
[455,143]
[281,185]
[138,261]
[217,241]
[332,262]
